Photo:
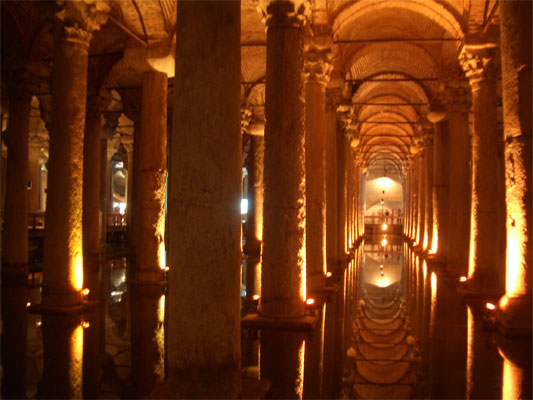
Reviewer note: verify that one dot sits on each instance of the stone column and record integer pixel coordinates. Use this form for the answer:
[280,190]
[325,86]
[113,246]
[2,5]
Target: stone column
[457,101]
[414,197]
[128,145]
[331,181]
[283,275]
[439,244]
[34,173]
[486,236]
[15,240]
[428,225]
[150,258]
[515,29]
[254,237]
[204,215]
[63,254]
[344,115]
[91,214]
[317,68]
[421,198]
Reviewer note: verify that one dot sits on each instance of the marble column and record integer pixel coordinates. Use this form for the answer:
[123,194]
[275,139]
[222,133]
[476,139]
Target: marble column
[487,237]
[331,180]
[458,163]
[15,242]
[439,244]
[344,116]
[414,197]
[421,198]
[91,214]
[63,253]
[283,274]
[34,173]
[428,224]
[204,216]
[515,29]
[254,233]
[317,67]
[150,260]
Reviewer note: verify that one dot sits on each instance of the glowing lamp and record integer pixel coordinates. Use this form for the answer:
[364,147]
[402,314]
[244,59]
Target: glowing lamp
[328,274]
[28,304]
[384,242]
[384,227]
[167,268]
[256,297]
[463,279]
[310,302]
[85,292]
[503,302]
[85,324]
[490,306]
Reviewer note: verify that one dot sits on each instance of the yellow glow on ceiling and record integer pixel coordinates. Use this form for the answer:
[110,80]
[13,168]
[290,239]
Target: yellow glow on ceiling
[384,182]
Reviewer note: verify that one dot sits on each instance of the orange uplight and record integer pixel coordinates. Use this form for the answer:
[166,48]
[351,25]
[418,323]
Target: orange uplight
[384,227]
[463,279]
[85,324]
[503,302]
[76,273]
[256,297]
[167,268]
[490,306]
[310,301]
[85,292]
[384,242]
[28,304]
[434,240]
[328,274]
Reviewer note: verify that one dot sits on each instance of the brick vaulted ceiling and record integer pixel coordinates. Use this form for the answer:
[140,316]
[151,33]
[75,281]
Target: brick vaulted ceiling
[390,57]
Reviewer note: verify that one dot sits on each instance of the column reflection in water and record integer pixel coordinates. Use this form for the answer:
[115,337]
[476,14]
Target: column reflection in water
[63,356]
[516,371]
[447,341]
[282,363]
[484,366]
[147,337]
[93,348]
[314,360]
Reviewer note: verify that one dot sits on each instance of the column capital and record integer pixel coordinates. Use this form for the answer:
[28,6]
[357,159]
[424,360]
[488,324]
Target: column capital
[345,115]
[283,13]
[246,119]
[81,17]
[318,58]
[479,62]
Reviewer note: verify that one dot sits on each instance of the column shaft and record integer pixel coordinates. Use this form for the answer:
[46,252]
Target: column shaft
[331,187]
[34,176]
[421,199]
[428,196]
[150,196]
[283,274]
[205,190]
[439,244]
[63,258]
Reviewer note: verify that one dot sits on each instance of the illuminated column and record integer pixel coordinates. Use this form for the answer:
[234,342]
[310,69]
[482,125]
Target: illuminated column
[128,145]
[332,98]
[91,216]
[421,197]
[486,236]
[440,194]
[407,198]
[15,251]
[34,172]
[252,248]
[458,164]
[415,196]
[283,274]
[204,195]
[63,258]
[515,28]
[150,197]
[317,68]
[349,194]
[428,196]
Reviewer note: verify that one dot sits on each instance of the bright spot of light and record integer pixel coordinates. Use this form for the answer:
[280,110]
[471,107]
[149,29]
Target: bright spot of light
[244,206]
[328,274]
[503,302]
[85,324]
[384,227]
[383,282]
[384,242]
[490,306]
[463,279]
[255,297]
[384,182]
[76,276]
[310,301]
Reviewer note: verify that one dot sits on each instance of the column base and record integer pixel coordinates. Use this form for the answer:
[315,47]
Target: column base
[514,316]
[260,321]
[478,288]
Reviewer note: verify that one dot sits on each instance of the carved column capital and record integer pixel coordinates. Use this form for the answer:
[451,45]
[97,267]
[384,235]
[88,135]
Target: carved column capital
[283,13]
[81,17]
[318,59]
[479,62]
[344,116]
[246,119]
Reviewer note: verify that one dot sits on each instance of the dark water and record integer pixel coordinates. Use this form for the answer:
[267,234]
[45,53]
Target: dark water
[394,328]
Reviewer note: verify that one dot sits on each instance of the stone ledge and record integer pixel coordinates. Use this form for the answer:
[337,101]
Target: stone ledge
[258,321]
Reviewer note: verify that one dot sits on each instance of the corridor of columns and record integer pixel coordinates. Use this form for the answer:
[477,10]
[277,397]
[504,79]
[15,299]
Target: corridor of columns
[266,199]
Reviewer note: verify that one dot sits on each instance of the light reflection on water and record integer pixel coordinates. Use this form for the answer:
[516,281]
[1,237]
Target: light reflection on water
[458,354]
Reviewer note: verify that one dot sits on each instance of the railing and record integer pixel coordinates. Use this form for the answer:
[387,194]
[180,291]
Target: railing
[116,220]
[384,219]
[36,220]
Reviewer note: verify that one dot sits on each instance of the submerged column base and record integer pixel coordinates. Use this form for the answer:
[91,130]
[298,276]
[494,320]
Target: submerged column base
[514,315]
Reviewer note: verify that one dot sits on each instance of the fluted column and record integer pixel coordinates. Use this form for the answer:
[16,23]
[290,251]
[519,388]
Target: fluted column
[317,68]
[486,235]
[515,29]
[283,273]
[205,190]
[150,257]
[91,214]
[457,102]
[63,257]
